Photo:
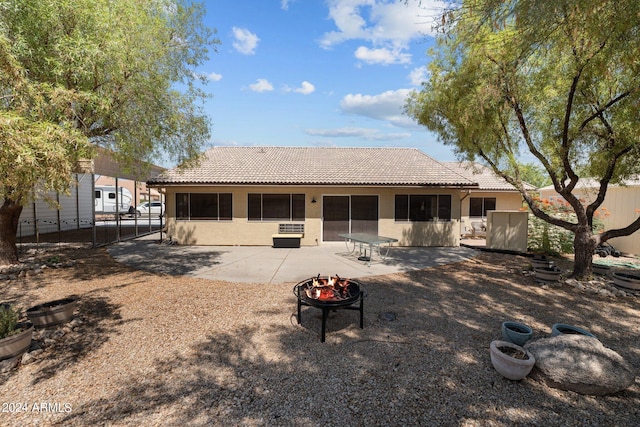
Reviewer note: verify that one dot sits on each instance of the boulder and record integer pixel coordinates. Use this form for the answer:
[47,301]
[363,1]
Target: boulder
[579,363]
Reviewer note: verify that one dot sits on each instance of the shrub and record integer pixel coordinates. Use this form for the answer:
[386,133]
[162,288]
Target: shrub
[8,321]
[551,239]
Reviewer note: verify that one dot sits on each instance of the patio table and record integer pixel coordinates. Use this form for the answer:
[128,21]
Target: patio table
[362,240]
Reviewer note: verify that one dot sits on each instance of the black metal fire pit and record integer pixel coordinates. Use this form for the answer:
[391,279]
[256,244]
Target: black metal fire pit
[329,293]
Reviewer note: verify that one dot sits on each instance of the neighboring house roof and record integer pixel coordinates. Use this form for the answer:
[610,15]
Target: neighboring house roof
[485,177]
[591,183]
[315,166]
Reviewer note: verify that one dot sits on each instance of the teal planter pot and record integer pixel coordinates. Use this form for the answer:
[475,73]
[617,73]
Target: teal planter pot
[516,333]
[561,328]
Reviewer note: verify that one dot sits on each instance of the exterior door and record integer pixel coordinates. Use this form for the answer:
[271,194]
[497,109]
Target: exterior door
[335,214]
[364,214]
[348,214]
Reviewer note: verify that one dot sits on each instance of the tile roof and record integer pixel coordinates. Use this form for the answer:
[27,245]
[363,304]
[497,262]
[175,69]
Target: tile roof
[486,179]
[315,166]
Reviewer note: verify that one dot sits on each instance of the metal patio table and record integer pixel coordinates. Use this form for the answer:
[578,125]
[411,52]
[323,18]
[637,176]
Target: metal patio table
[362,240]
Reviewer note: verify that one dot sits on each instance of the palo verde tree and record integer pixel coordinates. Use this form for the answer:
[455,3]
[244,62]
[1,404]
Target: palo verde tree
[120,74]
[556,80]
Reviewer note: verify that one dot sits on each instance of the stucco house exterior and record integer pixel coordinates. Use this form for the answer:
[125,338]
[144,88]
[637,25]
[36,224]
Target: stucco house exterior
[246,195]
[492,193]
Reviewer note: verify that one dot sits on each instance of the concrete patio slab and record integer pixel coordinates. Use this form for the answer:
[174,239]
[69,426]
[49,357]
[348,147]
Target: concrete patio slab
[263,264]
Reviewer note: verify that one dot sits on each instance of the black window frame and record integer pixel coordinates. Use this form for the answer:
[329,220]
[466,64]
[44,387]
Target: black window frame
[194,203]
[273,210]
[422,207]
[480,211]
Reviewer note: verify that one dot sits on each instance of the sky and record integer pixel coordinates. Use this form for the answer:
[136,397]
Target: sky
[326,73]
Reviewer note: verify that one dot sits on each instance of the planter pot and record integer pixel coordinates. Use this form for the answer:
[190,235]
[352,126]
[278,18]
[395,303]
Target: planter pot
[561,328]
[52,313]
[541,263]
[15,345]
[547,274]
[517,333]
[511,360]
[600,269]
[626,280]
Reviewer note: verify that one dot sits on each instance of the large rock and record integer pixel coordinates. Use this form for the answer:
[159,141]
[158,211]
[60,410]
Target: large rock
[579,363]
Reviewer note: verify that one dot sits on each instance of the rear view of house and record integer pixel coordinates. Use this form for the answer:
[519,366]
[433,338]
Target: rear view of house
[245,195]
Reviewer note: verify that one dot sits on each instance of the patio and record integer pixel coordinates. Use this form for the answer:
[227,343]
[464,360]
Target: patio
[264,264]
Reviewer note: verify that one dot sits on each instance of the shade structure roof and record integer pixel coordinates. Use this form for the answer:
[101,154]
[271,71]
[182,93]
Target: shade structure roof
[267,165]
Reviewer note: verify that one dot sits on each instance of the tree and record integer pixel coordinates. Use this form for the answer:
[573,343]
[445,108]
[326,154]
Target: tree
[120,74]
[534,174]
[559,80]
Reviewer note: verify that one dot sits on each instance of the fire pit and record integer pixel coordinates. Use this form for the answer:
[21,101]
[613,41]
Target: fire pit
[329,293]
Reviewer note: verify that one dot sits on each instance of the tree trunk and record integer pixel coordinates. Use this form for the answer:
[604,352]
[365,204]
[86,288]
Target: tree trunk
[584,245]
[9,219]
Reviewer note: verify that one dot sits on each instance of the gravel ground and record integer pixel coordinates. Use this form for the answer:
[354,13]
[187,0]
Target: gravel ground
[148,349]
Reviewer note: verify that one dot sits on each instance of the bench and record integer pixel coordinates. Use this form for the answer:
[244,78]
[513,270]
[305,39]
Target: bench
[288,236]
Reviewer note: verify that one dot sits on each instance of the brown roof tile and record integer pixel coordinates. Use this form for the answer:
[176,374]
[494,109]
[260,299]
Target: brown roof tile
[486,179]
[315,166]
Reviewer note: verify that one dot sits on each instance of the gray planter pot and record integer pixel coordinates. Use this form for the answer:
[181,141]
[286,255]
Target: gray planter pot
[547,274]
[15,345]
[508,366]
[600,269]
[541,263]
[626,280]
[517,333]
[52,313]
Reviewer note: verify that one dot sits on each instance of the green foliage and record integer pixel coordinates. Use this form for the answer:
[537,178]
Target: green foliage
[534,174]
[551,239]
[8,321]
[120,74]
[548,239]
[558,81]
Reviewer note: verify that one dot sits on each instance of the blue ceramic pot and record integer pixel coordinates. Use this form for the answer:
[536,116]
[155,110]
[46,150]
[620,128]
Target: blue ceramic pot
[516,333]
[561,328]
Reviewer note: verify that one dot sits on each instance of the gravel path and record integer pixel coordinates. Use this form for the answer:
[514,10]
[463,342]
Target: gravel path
[148,349]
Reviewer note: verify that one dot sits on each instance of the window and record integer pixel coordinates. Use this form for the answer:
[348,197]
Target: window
[478,206]
[276,207]
[423,207]
[213,206]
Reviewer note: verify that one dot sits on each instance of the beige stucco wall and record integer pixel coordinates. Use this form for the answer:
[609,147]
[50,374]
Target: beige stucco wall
[618,210]
[240,231]
[505,201]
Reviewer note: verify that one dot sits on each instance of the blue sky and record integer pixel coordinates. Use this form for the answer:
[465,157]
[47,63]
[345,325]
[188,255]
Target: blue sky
[319,72]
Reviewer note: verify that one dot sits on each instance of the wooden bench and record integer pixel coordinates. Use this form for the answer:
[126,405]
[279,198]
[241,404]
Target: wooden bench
[288,236]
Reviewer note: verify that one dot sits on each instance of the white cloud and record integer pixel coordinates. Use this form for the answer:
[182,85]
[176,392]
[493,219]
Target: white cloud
[214,77]
[245,41]
[357,132]
[387,106]
[305,88]
[419,75]
[261,85]
[382,56]
[284,4]
[381,22]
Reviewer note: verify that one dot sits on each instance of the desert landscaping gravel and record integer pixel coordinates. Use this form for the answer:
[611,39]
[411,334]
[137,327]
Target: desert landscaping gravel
[147,349]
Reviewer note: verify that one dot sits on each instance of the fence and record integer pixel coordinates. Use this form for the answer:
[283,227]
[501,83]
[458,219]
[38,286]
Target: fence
[85,231]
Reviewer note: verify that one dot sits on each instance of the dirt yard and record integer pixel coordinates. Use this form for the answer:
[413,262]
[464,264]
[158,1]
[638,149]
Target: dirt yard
[148,349]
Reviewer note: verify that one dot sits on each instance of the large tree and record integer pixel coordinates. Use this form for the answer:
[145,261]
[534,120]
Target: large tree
[120,74]
[557,80]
